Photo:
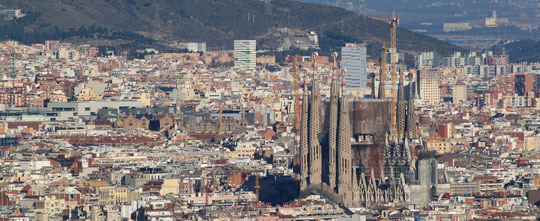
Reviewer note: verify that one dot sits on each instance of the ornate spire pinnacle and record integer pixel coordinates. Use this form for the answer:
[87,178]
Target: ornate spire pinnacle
[373,90]
[411,118]
[344,148]
[382,73]
[315,155]
[304,139]
[407,152]
[387,151]
[333,127]
[400,115]
[407,155]
[355,188]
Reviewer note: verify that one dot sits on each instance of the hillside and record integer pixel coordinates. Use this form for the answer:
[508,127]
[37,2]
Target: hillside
[428,17]
[520,51]
[429,9]
[159,23]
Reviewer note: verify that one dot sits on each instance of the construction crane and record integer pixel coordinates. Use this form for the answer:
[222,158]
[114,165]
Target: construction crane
[221,118]
[243,123]
[257,187]
[382,73]
[296,86]
[13,75]
[394,22]
[248,106]
[206,198]
[206,187]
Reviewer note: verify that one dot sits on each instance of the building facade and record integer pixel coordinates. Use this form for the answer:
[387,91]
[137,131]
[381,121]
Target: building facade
[459,93]
[353,60]
[245,54]
[430,92]
[428,60]
[353,159]
[523,83]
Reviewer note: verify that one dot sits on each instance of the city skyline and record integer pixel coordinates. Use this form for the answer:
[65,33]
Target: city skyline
[267,110]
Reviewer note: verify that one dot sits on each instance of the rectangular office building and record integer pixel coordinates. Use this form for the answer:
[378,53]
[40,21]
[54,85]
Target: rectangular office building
[245,54]
[430,91]
[353,60]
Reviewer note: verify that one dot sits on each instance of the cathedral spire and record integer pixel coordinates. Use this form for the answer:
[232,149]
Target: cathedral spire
[344,147]
[315,155]
[411,119]
[407,155]
[400,115]
[355,188]
[373,90]
[333,127]
[382,73]
[304,139]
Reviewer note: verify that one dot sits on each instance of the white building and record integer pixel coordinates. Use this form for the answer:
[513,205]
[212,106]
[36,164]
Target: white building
[87,108]
[492,22]
[11,13]
[245,54]
[353,60]
[196,46]
[451,27]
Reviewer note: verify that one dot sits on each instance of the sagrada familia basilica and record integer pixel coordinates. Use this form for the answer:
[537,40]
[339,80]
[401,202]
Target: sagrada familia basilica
[349,165]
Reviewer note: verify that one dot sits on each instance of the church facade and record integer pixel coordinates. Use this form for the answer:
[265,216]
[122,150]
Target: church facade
[355,152]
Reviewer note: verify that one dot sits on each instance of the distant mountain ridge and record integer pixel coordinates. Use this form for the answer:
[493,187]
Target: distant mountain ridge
[520,51]
[480,7]
[140,23]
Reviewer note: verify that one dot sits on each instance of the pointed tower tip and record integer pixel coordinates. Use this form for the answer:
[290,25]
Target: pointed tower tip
[335,66]
[314,56]
[343,79]
[305,81]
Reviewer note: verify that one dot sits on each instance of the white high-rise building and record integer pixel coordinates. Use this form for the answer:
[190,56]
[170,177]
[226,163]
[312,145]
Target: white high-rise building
[353,60]
[245,54]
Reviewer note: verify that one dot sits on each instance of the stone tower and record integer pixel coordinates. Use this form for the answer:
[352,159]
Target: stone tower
[333,128]
[344,150]
[373,93]
[382,73]
[411,119]
[400,115]
[315,152]
[304,140]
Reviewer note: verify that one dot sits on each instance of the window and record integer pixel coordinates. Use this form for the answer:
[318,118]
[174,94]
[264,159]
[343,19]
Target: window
[87,109]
